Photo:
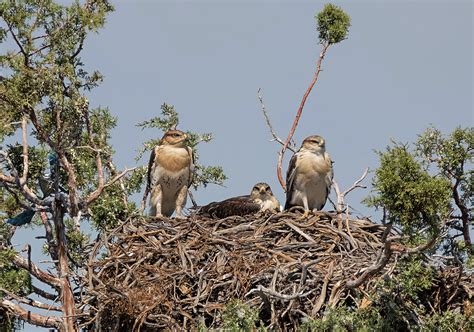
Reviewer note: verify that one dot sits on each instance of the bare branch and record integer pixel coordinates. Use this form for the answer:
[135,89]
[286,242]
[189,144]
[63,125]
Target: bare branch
[341,205]
[28,316]
[382,260]
[43,293]
[273,293]
[30,302]
[269,124]
[24,143]
[357,183]
[94,195]
[41,275]
[298,115]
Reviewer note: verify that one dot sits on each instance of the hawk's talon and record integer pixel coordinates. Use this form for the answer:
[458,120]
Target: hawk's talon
[305,214]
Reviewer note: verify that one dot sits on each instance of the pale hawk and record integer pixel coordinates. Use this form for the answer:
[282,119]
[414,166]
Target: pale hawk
[170,173]
[309,176]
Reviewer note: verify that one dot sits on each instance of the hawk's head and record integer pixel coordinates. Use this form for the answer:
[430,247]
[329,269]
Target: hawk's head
[261,191]
[175,138]
[314,143]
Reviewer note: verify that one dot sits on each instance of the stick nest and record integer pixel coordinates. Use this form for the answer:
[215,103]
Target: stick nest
[151,274]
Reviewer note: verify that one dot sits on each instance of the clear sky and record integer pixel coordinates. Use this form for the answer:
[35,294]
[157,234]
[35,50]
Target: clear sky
[405,65]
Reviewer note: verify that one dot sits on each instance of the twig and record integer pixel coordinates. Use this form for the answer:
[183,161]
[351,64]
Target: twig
[94,195]
[269,124]
[270,292]
[24,144]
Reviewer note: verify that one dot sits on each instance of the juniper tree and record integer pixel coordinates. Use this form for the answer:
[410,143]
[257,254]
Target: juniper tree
[57,170]
[425,188]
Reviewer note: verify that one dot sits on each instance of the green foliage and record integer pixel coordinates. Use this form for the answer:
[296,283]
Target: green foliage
[344,319]
[238,316]
[414,278]
[373,318]
[111,208]
[77,241]
[169,119]
[11,278]
[37,161]
[333,24]
[452,154]
[411,196]
[453,157]
[448,321]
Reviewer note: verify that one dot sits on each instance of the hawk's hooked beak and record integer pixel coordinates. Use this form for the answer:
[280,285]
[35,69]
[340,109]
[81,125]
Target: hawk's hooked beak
[262,190]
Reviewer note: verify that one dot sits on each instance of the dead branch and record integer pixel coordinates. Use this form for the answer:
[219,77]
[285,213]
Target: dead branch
[30,302]
[341,205]
[25,151]
[298,115]
[269,124]
[172,273]
[41,275]
[28,316]
[96,194]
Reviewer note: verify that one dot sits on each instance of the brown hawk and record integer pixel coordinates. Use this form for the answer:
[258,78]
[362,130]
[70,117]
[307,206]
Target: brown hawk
[170,173]
[261,198]
[309,176]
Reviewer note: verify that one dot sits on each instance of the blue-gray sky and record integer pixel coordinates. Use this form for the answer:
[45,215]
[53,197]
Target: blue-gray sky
[406,65]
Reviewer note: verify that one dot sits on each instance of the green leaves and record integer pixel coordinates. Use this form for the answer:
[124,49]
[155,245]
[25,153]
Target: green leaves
[411,196]
[169,119]
[333,24]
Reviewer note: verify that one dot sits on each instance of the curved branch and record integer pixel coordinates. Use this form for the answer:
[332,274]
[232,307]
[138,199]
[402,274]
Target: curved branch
[298,115]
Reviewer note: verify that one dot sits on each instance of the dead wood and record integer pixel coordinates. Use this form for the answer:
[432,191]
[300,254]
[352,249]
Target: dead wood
[151,274]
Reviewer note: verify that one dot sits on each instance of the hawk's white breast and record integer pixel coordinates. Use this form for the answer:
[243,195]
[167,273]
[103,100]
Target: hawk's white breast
[312,179]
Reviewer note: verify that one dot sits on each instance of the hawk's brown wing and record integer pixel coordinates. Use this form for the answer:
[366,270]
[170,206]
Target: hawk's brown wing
[151,163]
[235,206]
[290,178]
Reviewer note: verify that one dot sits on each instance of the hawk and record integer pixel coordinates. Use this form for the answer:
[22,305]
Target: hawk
[261,198]
[170,173]
[309,176]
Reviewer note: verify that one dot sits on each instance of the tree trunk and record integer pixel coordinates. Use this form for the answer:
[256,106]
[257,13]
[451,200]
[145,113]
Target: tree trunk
[67,297]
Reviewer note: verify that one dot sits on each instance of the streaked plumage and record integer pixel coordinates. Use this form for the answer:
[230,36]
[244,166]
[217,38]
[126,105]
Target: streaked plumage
[261,198]
[309,175]
[170,173]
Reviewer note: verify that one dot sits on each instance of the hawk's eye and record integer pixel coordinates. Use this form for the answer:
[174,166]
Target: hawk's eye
[176,135]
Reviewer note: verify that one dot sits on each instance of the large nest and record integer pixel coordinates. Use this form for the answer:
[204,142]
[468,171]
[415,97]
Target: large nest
[180,274]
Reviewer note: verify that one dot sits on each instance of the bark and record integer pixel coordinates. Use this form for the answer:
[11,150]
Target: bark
[67,296]
[28,316]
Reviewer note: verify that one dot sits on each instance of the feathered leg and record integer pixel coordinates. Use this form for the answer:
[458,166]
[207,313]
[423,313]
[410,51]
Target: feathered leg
[155,202]
[181,201]
[306,207]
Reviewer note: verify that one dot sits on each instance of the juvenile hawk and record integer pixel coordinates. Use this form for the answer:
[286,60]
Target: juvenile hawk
[309,176]
[260,199]
[170,173]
